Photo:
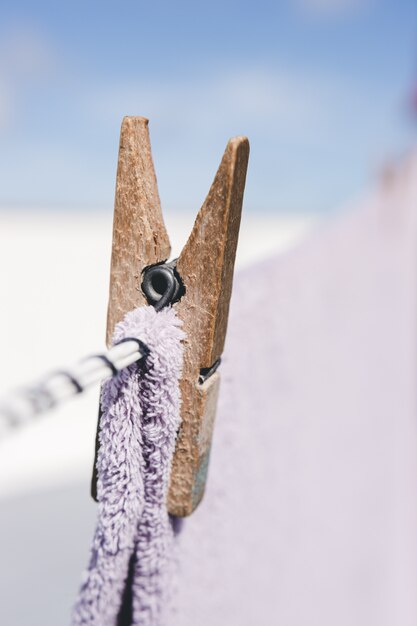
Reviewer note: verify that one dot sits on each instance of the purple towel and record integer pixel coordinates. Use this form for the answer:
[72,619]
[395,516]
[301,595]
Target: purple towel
[132,558]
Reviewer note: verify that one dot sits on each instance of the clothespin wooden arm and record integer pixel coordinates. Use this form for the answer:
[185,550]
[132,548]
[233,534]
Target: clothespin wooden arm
[206,267]
[139,234]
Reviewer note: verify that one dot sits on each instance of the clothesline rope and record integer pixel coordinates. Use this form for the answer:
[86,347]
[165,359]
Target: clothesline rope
[26,403]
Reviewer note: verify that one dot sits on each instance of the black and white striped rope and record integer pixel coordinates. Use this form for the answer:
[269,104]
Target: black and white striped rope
[22,405]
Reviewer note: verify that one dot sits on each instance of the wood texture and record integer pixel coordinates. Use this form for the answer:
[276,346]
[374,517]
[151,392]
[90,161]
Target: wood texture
[139,234]
[206,267]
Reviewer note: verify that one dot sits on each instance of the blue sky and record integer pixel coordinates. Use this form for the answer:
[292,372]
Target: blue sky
[320,87]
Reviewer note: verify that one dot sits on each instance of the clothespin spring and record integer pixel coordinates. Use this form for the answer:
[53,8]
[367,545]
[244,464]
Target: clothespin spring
[162,285]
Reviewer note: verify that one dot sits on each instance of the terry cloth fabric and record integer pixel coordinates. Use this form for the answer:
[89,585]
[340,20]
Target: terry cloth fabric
[132,557]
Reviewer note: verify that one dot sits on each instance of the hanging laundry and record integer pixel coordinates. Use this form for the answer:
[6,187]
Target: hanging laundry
[132,557]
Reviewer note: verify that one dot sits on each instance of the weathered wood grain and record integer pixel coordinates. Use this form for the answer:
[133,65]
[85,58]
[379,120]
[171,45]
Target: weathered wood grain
[139,234]
[206,267]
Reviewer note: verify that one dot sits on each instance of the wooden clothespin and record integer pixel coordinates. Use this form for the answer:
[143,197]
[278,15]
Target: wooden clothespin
[205,269]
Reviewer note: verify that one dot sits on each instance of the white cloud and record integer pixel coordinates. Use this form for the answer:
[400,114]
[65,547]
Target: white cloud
[274,104]
[277,101]
[25,61]
[6,104]
[330,8]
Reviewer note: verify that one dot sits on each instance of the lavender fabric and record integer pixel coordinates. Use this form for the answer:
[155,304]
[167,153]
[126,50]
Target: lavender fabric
[133,557]
[310,511]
